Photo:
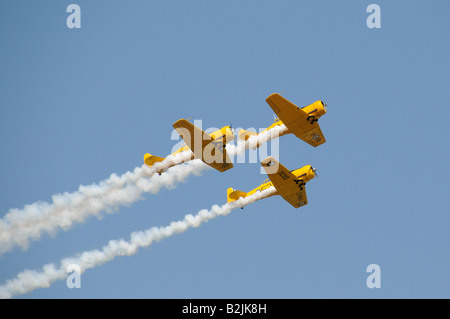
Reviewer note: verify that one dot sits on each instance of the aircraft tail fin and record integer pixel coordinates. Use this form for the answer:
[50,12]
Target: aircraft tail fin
[233,194]
[150,160]
[245,135]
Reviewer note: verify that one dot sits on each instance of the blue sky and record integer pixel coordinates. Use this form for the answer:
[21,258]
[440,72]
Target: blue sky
[80,104]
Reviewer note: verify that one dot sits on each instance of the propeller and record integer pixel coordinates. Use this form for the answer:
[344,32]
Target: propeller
[315,172]
[232,132]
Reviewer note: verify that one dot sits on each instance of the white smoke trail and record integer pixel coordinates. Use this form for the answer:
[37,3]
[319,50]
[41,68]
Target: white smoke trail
[29,280]
[19,226]
[255,141]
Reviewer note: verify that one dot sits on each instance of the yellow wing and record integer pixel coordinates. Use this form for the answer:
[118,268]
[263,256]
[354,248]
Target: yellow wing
[296,120]
[210,151]
[314,136]
[286,183]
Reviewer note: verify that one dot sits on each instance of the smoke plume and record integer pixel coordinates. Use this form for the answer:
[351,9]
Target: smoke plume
[30,280]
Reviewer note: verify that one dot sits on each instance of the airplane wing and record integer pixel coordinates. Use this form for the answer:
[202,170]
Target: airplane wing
[210,151]
[285,182]
[296,120]
[314,136]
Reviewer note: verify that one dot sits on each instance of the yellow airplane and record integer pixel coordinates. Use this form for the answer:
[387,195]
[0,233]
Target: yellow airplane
[210,148]
[289,184]
[302,122]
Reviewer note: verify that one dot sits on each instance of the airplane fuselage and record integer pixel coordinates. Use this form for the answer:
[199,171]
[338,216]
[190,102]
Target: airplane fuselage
[303,174]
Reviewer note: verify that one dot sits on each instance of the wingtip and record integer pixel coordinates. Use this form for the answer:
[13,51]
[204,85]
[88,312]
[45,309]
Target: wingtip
[271,96]
[268,160]
[180,123]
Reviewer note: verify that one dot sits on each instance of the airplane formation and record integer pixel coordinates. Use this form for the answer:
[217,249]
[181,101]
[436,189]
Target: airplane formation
[211,149]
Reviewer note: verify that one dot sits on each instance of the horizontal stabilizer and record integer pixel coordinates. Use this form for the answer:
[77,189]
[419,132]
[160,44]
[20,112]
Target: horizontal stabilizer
[245,135]
[150,160]
[233,194]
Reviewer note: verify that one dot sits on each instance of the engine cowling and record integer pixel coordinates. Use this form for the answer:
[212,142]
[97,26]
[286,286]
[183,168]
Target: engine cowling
[317,109]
